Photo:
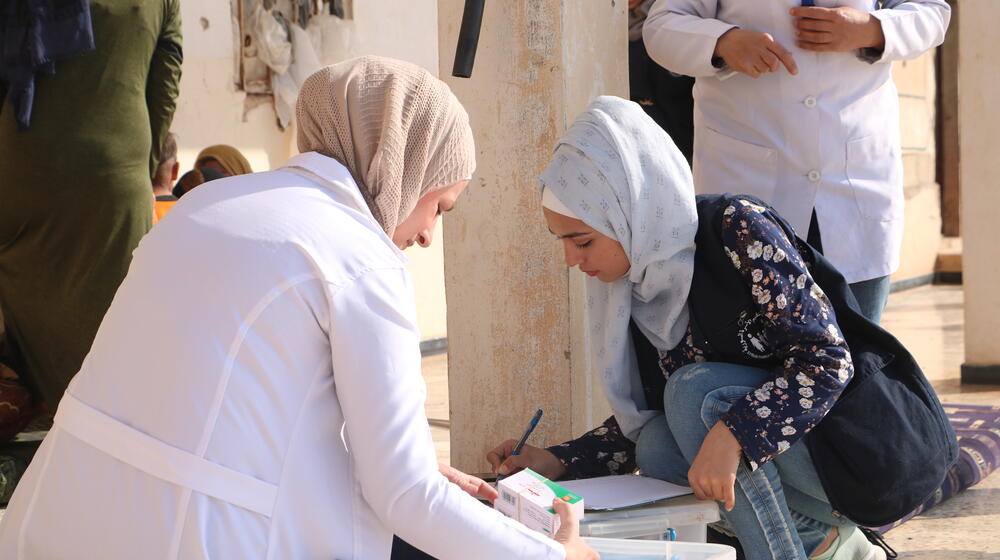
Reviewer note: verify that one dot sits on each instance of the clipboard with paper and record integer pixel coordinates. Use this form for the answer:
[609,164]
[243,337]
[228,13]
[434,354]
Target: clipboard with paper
[606,493]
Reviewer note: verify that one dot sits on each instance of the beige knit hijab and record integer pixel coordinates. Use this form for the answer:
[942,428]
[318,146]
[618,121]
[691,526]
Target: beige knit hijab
[398,130]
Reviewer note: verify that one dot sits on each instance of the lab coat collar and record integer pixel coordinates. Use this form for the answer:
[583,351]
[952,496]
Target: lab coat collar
[335,177]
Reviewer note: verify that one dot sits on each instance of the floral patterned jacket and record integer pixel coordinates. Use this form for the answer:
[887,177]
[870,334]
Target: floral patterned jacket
[801,332]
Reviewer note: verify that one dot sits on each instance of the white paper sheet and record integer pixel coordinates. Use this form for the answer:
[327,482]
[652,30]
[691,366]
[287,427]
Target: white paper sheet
[622,491]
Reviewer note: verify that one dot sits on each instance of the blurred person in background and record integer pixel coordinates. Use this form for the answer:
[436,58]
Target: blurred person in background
[164,177]
[663,95]
[91,89]
[796,106]
[196,177]
[224,158]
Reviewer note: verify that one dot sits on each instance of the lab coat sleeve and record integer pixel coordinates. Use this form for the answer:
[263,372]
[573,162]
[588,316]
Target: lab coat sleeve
[911,28]
[680,35]
[376,369]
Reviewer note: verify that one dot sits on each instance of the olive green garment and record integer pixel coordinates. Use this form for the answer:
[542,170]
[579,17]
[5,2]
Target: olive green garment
[75,190]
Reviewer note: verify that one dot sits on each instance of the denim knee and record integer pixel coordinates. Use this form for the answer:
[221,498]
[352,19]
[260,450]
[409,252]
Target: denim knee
[684,395]
[658,455]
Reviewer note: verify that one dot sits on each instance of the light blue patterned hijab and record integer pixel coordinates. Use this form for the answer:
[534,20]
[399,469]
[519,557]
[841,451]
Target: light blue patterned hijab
[620,173]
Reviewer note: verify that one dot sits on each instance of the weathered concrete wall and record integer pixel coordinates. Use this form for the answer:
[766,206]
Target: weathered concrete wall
[211,110]
[979,121]
[514,343]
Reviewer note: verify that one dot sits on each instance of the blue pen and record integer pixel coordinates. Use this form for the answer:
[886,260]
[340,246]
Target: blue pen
[524,438]
[808,3]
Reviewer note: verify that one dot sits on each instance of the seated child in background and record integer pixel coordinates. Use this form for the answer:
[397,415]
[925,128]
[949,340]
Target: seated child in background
[195,177]
[163,179]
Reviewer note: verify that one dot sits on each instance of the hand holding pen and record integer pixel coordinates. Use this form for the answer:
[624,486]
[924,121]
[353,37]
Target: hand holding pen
[527,432]
[506,461]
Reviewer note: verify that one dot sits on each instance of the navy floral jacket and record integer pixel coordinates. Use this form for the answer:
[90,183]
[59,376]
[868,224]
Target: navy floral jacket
[802,332]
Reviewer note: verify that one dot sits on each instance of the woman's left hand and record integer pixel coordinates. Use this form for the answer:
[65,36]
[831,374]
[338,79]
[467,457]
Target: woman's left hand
[474,486]
[713,472]
[836,29]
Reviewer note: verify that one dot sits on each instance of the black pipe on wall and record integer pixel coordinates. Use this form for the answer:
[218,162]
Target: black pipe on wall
[468,38]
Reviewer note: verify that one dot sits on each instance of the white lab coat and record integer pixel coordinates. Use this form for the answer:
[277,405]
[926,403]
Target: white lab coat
[254,392]
[826,138]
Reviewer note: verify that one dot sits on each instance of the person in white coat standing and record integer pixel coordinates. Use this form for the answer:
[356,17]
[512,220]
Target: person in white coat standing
[288,419]
[795,104]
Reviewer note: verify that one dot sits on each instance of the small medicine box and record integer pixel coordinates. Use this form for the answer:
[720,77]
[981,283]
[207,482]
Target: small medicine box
[527,497]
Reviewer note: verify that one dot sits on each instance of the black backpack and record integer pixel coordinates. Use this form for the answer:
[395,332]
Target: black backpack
[886,445]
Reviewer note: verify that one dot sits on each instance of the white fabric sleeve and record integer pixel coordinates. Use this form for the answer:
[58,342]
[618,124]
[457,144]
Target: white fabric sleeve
[680,35]
[911,28]
[376,370]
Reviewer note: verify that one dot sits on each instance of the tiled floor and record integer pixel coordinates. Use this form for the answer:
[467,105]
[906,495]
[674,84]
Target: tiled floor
[929,321]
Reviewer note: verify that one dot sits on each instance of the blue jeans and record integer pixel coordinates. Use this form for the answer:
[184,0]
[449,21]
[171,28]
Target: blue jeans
[872,295]
[781,512]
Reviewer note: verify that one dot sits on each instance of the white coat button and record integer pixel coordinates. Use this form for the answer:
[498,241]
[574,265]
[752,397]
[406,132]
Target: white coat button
[813,175]
[810,102]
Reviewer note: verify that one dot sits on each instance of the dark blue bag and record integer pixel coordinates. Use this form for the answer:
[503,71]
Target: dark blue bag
[886,444]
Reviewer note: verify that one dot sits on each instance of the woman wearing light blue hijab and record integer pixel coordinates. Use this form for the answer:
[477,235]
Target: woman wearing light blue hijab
[619,196]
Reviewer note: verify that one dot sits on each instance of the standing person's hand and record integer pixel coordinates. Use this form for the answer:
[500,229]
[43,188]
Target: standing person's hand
[753,53]
[535,458]
[836,29]
[569,534]
[474,486]
[713,472]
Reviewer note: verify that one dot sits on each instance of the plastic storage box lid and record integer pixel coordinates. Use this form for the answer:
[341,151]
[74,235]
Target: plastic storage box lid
[652,519]
[621,549]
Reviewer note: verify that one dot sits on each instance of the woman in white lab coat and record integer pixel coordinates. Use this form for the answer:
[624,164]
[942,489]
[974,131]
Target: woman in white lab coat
[286,418]
[796,105]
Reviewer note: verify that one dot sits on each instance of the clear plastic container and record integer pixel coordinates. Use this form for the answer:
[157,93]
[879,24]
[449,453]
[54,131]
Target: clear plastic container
[686,515]
[622,549]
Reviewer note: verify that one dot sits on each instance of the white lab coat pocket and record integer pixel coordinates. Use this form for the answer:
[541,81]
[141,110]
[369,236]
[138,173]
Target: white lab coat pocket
[724,164]
[874,172]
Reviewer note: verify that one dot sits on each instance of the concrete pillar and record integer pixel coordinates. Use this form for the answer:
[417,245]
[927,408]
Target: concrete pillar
[515,334]
[915,80]
[947,146]
[979,121]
